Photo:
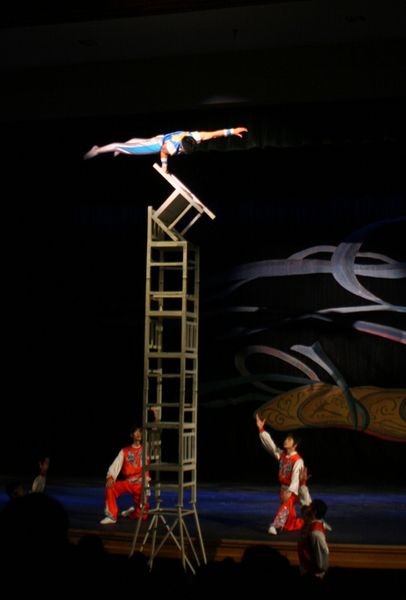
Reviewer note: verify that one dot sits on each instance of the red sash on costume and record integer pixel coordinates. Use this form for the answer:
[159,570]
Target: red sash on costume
[132,464]
[286,468]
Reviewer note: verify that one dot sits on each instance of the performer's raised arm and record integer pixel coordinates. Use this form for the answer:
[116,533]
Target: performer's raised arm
[266,439]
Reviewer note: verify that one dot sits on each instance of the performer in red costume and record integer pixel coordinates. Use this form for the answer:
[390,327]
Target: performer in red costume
[129,463]
[313,551]
[292,478]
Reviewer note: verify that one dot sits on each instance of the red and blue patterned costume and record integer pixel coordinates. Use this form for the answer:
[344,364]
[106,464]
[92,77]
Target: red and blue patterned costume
[128,463]
[290,467]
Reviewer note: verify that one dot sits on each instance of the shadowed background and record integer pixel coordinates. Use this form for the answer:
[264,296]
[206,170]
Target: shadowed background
[322,159]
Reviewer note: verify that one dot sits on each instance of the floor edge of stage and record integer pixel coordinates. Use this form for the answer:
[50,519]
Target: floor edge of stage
[357,556]
[368,524]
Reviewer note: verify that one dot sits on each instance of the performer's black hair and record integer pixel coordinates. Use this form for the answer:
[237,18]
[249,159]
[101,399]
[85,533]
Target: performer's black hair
[295,437]
[14,488]
[188,144]
[319,508]
[135,427]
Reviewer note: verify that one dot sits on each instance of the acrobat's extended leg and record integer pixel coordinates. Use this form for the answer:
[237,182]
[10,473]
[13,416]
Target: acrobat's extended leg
[95,150]
[133,146]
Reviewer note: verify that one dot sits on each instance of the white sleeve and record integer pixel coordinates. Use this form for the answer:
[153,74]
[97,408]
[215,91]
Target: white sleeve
[196,136]
[269,444]
[294,484]
[116,466]
[321,551]
[305,498]
[38,485]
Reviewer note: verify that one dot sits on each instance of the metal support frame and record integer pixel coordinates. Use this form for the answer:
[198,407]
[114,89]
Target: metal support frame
[171,377]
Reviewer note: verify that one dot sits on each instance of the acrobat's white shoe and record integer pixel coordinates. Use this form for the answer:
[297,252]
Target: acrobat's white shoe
[92,153]
[272,530]
[107,521]
[127,513]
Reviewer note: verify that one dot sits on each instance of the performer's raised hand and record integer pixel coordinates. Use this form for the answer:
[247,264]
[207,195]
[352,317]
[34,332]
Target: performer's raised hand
[260,422]
[304,476]
[238,131]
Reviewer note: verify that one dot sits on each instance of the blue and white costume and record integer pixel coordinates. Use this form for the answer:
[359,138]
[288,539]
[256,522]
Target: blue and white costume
[141,146]
[170,142]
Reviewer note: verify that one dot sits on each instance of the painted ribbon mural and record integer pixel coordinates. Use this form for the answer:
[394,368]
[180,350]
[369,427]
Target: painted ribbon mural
[315,400]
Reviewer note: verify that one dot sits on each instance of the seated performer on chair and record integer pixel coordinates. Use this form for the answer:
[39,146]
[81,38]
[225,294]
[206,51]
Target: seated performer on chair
[170,144]
[292,478]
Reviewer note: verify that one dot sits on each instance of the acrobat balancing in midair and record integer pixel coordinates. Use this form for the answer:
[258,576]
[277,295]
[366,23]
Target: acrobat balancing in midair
[170,144]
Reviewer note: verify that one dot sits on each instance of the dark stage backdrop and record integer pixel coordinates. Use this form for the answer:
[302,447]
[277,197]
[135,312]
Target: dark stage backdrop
[74,285]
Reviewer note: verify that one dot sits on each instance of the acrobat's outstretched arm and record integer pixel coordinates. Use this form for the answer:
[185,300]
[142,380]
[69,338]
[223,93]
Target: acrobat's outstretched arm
[163,155]
[209,135]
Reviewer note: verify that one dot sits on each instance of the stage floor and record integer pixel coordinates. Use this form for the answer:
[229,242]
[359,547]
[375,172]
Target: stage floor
[368,525]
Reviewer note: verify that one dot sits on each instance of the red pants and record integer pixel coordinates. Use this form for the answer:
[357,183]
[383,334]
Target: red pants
[286,516]
[118,489]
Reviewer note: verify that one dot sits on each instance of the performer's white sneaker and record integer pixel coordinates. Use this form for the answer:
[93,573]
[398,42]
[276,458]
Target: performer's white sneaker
[107,521]
[272,530]
[127,513]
